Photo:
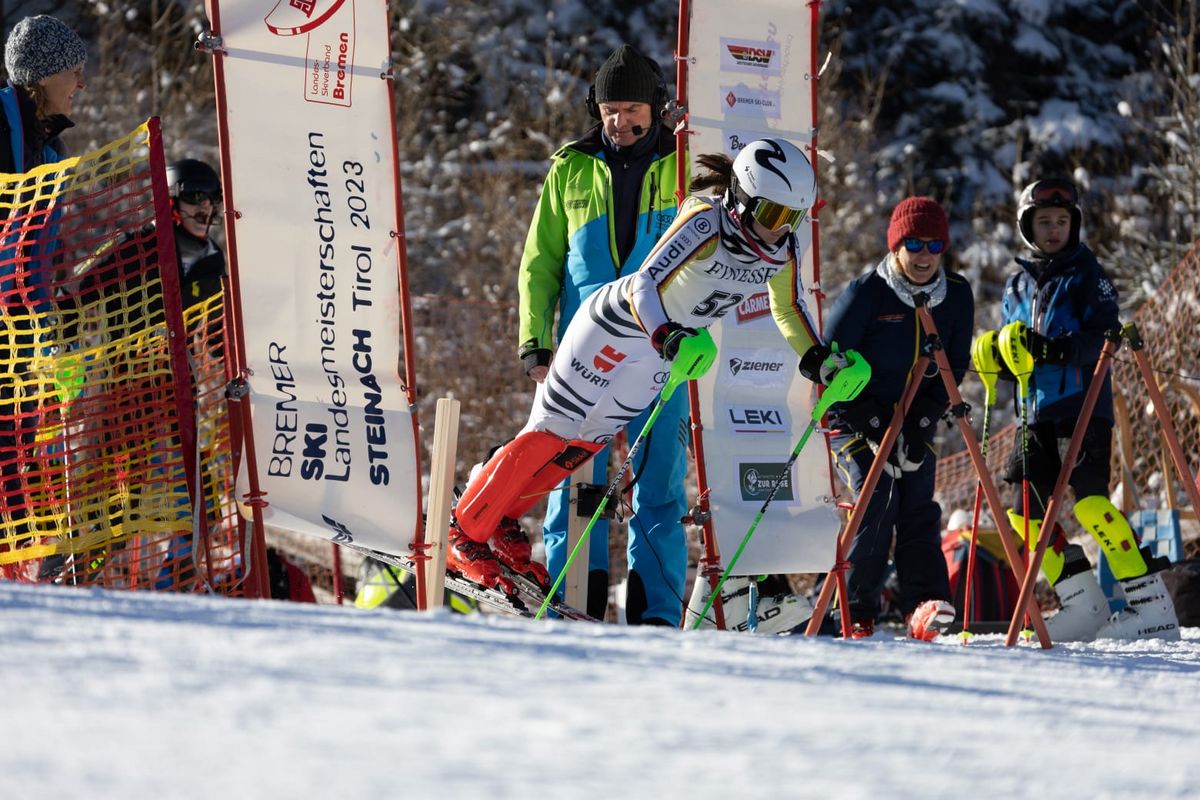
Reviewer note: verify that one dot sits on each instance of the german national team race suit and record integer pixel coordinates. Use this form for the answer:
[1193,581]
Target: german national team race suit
[602,209]
[615,354]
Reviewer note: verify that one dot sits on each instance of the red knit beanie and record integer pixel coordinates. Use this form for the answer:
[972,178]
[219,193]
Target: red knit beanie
[920,218]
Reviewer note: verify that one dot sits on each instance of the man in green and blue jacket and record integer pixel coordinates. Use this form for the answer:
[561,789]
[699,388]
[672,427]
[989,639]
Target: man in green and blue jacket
[608,198]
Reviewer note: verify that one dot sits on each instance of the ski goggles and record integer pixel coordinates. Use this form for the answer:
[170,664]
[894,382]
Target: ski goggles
[774,216]
[934,246]
[1053,193]
[195,198]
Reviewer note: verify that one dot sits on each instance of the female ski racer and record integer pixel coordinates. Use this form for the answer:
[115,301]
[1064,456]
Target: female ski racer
[611,363]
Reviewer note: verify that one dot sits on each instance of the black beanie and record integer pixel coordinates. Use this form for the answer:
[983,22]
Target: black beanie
[627,76]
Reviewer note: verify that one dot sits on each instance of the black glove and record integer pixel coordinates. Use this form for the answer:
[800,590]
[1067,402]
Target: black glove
[865,418]
[1059,350]
[819,364]
[536,358]
[666,339]
[532,355]
[911,448]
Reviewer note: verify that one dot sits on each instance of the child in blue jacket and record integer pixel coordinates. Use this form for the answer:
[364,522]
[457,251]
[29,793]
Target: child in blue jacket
[1066,303]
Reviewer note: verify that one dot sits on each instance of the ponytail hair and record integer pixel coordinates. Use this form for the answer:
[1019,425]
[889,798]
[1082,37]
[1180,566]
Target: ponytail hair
[718,175]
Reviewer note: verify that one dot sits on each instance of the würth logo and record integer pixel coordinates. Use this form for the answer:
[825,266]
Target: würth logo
[610,360]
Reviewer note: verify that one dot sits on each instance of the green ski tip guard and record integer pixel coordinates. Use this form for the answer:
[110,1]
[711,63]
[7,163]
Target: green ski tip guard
[696,356]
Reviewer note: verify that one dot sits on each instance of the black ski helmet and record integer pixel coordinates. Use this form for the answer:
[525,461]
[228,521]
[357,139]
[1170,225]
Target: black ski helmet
[192,175]
[1049,193]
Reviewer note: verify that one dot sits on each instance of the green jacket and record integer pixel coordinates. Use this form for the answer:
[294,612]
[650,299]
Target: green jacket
[570,251]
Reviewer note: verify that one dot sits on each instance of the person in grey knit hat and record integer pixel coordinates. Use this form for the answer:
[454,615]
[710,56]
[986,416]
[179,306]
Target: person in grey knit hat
[44,59]
[39,47]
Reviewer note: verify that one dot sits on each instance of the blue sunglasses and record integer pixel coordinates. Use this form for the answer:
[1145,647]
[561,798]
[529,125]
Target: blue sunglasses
[935,246]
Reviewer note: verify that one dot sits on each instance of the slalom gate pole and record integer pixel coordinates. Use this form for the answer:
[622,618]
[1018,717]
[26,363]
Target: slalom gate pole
[695,357]
[1137,344]
[958,411]
[985,355]
[846,384]
[1018,358]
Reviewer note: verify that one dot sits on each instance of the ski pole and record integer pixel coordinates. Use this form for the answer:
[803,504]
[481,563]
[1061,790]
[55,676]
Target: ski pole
[846,384]
[1016,355]
[985,353]
[696,355]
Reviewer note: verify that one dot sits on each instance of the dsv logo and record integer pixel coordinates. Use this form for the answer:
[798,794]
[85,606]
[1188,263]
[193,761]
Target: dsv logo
[737,365]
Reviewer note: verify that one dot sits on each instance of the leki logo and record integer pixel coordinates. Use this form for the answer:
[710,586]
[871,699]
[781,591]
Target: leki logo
[750,56]
[296,17]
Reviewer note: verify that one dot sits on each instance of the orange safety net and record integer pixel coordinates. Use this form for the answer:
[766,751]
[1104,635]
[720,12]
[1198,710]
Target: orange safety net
[96,412]
[1141,465]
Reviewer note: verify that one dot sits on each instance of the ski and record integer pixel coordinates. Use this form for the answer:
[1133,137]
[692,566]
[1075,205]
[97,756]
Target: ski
[535,596]
[529,594]
[492,598]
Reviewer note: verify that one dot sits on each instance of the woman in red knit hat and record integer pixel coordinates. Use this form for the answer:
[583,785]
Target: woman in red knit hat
[875,315]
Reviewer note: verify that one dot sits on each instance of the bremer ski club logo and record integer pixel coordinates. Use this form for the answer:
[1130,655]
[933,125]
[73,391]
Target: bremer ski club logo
[297,17]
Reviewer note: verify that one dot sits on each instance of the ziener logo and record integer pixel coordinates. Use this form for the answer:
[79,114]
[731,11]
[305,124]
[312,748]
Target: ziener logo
[737,365]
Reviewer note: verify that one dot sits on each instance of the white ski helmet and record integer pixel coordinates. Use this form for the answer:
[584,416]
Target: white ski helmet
[773,183]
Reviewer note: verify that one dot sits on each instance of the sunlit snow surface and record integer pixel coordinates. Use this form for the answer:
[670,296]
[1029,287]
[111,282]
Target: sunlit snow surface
[143,695]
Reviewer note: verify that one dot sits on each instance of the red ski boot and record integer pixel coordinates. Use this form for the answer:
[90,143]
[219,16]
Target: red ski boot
[511,546]
[475,562]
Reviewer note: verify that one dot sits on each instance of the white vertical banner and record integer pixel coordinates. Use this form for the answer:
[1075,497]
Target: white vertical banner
[312,164]
[749,77]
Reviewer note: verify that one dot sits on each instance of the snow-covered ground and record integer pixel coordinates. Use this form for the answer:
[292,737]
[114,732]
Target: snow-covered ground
[143,695]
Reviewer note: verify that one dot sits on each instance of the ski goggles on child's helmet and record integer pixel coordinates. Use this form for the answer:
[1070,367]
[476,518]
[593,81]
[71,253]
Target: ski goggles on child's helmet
[913,245]
[774,216]
[1054,192]
[195,197]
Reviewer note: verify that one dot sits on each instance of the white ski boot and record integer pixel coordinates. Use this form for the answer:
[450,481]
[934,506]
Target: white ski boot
[1150,613]
[1084,609]
[776,614]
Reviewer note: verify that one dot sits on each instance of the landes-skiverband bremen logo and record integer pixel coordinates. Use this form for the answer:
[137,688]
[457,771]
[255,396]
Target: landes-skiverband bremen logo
[758,478]
[297,17]
[328,26]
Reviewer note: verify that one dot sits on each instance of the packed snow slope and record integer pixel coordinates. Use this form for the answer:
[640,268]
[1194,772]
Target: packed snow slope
[142,695]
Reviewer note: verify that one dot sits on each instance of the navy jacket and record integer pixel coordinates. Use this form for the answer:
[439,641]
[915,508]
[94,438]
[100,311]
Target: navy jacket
[1068,295]
[870,318]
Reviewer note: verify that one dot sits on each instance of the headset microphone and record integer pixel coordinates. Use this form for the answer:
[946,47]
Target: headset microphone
[638,130]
